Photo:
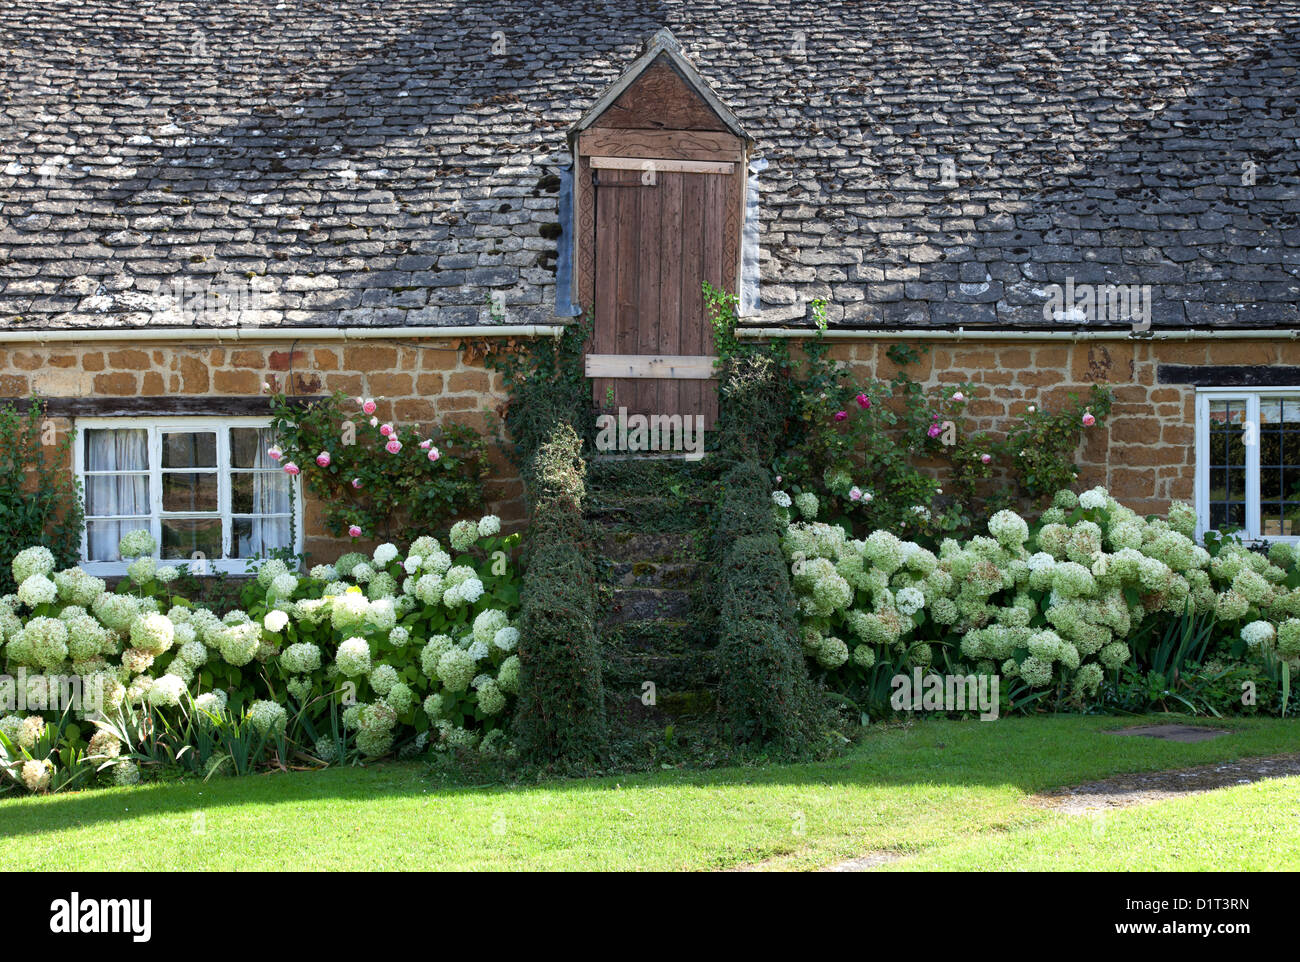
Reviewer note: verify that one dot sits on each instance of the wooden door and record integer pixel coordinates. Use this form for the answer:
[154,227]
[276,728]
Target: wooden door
[659,235]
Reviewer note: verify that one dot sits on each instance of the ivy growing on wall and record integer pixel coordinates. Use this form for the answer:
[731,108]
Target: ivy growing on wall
[40,501]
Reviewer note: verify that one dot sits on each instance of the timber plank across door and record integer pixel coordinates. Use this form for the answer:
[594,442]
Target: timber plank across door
[658,239]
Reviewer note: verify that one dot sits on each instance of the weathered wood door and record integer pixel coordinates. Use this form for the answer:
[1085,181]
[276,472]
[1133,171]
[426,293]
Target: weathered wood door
[659,237]
[660,185]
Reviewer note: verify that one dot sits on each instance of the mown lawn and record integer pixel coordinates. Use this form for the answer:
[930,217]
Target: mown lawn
[951,793]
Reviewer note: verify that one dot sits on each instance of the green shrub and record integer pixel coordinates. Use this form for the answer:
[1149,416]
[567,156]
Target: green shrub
[765,697]
[561,713]
[560,719]
[40,501]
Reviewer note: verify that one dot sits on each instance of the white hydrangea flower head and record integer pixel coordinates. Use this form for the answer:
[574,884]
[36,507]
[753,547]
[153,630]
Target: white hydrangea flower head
[153,633]
[37,560]
[1094,499]
[909,600]
[213,702]
[507,639]
[37,589]
[301,658]
[1258,633]
[488,623]
[135,544]
[268,717]
[275,621]
[781,499]
[385,554]
[489,525]
[463,535]
[167,691]
[383,678]
[326,573]
[353,657]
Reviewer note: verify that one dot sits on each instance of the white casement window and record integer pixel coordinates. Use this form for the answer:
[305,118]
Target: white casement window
[205,488]
[1248,462]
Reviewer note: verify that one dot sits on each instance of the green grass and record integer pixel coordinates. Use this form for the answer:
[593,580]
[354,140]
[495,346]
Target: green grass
[945,791]
[1246,828]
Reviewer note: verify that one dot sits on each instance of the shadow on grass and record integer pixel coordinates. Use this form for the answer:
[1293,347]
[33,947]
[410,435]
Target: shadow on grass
[1029,755]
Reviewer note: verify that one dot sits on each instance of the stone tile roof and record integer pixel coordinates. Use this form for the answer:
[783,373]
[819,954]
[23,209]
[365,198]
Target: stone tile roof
[322,162]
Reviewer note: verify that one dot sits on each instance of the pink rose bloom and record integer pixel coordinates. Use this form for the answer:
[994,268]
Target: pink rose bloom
[958,396]
[374,421]
[1031,409]
[424,445]
[385,429]
[841,415]
[933,430]
[369,406]
[393,446]
[864,402]
[356,483]
[354,531]
[274,453]
[778,479]
[1088,420]
[866,496]
[434,455]
[986,458]
[855,493]
[291,468]
[323,459]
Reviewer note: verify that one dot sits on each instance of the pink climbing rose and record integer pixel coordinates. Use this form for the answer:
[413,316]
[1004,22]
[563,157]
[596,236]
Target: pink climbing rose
[356,483]
[291,468]
[433,454]
[864,402]
[386,429]
[958,396]
[369,406]
[986,458]
[393,446]
[841,415]
[323,459]
[354,531]
[933,430]
[274,453]
[855,493]
[1088,419]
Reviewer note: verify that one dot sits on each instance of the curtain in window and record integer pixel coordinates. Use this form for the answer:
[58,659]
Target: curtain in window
[115,497]
[260,535]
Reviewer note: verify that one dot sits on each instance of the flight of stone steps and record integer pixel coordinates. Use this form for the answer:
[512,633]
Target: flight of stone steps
[652,624]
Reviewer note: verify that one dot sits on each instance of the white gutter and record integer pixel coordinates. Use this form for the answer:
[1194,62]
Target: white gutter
[963,334]
[277,333]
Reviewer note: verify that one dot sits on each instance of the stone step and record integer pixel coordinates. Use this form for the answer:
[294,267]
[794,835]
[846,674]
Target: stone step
[659,547]
[668,705]
[652,574]
[640,604]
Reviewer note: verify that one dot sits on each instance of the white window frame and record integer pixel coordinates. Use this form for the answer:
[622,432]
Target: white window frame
[156,426]
[1251,396]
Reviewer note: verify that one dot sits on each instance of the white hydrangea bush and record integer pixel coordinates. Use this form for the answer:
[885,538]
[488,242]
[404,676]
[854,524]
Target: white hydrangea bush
[416,647]
[1053,607]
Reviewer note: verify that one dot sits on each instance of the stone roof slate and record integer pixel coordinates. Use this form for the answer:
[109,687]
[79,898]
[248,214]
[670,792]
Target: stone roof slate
[333,162]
